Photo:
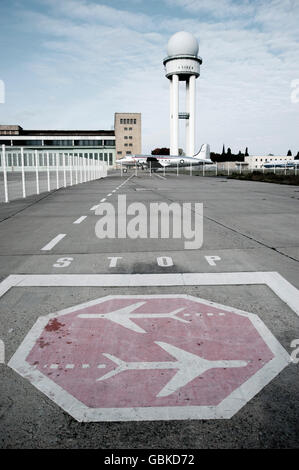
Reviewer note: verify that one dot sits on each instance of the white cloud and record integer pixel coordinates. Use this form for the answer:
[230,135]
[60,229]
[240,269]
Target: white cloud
[97,60]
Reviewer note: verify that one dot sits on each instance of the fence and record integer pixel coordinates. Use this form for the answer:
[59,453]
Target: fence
[226,169]
[217,169]
[25,172]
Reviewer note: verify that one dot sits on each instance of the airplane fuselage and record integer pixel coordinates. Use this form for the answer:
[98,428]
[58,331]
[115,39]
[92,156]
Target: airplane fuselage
[163,161]
[289,164]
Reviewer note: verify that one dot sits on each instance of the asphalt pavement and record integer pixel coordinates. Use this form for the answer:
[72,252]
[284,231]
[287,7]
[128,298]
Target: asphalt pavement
[245,275]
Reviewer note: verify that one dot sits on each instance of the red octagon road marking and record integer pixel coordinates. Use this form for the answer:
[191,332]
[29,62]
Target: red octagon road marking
[150,357]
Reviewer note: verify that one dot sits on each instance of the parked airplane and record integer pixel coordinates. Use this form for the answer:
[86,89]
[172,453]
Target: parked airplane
[288,164]
[156,162]
[189,366]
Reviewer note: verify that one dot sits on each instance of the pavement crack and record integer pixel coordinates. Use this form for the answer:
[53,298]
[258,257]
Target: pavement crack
[238,232]
[251,238]
[29,205]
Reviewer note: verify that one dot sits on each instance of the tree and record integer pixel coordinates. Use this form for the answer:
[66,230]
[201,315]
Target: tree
[223,150]
[246,152]
[161,151]
[289,153]
[297,156]
[229,152]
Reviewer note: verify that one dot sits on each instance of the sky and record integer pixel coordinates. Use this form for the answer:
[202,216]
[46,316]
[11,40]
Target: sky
[71,64]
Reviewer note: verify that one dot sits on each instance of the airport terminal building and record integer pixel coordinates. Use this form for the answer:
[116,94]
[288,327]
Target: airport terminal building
[104,145]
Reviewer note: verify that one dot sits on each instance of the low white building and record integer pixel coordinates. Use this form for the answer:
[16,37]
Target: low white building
[256,162]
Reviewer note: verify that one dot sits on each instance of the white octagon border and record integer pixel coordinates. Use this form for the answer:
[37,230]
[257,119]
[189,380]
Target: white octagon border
[226,409]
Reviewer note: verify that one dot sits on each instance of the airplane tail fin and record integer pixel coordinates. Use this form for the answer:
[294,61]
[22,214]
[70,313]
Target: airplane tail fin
[204,152]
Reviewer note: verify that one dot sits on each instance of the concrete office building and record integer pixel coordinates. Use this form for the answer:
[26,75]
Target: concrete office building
[90,144]
[84,143]
[127,127]
[182,64]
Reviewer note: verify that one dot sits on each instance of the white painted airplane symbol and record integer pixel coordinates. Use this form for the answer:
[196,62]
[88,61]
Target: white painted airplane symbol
[189,367]
[123,316]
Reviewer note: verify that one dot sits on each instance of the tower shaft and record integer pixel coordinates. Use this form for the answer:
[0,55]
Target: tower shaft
[182,64]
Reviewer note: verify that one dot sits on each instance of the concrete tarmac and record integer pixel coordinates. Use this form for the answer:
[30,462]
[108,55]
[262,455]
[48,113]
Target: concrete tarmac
[248,227]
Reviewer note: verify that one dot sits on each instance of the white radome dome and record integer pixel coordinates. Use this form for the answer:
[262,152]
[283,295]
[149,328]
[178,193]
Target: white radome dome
[182,43]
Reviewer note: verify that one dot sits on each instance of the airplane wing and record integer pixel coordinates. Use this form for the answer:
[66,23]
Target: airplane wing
[154,162]
[122,317]
[186,372]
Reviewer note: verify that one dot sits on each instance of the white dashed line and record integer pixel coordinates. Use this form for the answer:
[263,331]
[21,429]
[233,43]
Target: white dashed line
[53,242]
[78,221]
[72,366]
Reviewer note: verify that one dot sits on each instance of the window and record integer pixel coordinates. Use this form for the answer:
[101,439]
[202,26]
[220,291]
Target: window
[129,152]
[109,143]
[125,128]
[34,142]
[121,121]
[89,143]
[134,121]
[126,137]
[130,128]
[126,145]
[119,152]
[57,143]
[130,137]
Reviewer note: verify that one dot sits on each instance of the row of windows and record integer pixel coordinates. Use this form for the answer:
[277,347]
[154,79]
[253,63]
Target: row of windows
[128,128]
[128,152]
[130,145]
[13,159]
[10,132]
[127,121]
[274,159]
[128,137]
[60,143]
